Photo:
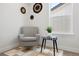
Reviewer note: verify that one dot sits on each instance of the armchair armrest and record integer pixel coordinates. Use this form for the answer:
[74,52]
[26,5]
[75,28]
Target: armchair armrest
[20,36]
[38,37]
[37,34]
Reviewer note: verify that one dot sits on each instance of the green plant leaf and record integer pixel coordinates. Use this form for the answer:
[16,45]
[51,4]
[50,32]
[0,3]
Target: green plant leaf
[49,29]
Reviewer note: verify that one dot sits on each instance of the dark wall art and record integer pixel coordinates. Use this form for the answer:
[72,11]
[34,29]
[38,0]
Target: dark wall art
[23,10]
[31,17]
[37,7]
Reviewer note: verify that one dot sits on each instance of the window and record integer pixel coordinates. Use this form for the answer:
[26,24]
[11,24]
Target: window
[61,18]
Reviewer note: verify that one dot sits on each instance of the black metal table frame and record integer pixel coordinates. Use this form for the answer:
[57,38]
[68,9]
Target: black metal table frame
[54,43]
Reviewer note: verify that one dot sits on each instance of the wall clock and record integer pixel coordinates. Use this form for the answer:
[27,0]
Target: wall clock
[37,7]
[23,10]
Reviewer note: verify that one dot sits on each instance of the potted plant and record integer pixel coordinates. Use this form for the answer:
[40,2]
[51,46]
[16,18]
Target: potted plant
[49,29]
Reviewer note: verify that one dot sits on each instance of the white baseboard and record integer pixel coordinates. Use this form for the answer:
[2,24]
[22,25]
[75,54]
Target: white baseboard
[75,50]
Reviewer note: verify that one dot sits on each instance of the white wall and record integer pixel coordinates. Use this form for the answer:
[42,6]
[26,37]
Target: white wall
[69,41]
[11,20]
[41,19]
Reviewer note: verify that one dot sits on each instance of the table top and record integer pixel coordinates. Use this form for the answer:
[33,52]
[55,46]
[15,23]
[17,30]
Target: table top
[52,36]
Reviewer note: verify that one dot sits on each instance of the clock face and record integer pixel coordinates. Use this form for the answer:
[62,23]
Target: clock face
[23,10]
[37,7]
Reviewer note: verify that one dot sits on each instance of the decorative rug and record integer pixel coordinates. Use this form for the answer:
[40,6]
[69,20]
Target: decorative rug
[35,51]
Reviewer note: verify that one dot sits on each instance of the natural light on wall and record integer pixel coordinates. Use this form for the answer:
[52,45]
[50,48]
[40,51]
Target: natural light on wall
[52,5]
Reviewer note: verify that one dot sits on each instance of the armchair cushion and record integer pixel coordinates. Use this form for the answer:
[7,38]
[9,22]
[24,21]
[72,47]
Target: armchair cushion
[28,39]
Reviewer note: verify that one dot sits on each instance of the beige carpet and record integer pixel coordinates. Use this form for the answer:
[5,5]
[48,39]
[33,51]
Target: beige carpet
[35,51]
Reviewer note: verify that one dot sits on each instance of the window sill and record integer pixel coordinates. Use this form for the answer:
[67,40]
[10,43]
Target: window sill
[63,33]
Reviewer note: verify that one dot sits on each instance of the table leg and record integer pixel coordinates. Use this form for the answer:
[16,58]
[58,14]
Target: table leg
[54,47]
[45,44]
[42,44]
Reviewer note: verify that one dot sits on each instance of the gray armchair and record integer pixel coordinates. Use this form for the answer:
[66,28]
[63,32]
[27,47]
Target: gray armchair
[29,36]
